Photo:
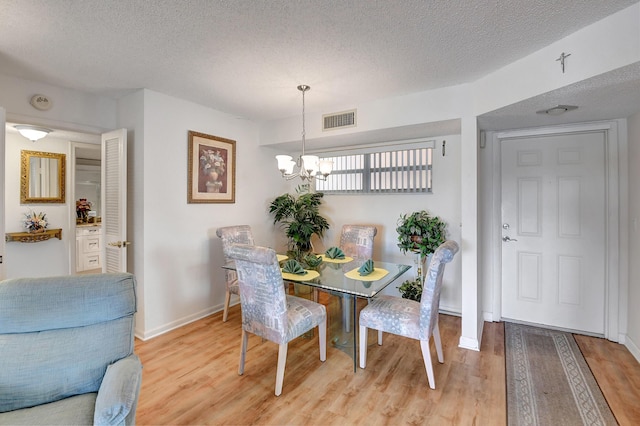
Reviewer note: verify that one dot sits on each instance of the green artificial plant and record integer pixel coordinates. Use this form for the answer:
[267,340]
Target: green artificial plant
[420,233]
[300,217]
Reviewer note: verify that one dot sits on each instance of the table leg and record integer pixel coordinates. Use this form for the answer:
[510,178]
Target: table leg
[355,333]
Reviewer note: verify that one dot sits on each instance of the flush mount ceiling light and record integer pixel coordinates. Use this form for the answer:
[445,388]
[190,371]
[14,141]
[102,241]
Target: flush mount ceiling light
[557,110]
[33,133]
[310,167]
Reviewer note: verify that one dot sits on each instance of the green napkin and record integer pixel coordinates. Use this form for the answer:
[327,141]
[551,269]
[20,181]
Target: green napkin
[366,268]
[312,260]
[334,253]
[292,266]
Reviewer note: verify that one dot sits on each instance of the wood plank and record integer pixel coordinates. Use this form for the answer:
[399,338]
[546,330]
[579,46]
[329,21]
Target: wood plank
[190,376]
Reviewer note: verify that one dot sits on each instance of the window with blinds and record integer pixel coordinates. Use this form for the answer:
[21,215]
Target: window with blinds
[405,169]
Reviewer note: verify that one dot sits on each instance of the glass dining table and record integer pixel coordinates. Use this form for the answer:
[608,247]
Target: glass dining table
[341,280]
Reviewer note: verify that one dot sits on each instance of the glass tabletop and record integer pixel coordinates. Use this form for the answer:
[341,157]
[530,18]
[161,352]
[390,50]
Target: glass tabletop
[333,277]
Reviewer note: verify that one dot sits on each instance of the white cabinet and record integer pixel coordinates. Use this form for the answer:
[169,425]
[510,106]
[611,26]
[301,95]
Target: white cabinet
[88,245]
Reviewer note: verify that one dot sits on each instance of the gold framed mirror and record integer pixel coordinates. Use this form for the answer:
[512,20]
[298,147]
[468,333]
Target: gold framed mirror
[42,177]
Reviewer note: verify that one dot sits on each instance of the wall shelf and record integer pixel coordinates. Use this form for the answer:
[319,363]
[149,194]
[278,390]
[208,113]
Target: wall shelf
[28,237]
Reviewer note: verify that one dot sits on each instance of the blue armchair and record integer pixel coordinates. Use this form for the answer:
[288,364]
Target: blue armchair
[66,350]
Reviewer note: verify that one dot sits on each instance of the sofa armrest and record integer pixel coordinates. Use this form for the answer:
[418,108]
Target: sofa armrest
[118,395]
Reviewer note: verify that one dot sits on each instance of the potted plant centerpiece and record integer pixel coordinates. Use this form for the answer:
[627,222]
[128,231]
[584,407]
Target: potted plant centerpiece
[300,217]
[420,233]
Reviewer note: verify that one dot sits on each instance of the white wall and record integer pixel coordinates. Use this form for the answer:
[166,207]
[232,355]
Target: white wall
[633,322]
[70,109]
[182,257]
[47,257]
[175,254]
[384,210]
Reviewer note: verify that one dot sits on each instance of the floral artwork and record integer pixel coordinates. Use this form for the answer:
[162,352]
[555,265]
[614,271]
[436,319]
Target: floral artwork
[35,222]
[211,175]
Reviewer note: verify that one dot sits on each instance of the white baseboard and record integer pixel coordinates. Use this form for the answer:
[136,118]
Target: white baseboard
[633,348]
[149,334]
[468,343]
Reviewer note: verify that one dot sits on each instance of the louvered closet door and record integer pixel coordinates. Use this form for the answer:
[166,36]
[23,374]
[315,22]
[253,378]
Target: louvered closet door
[114,196]
[553,220]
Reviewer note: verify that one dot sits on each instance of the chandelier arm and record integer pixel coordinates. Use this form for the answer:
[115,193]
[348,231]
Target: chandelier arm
[310,171]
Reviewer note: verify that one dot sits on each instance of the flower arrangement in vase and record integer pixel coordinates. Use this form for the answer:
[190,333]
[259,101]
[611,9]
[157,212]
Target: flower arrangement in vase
[35,222]
[213,166]
[82,209]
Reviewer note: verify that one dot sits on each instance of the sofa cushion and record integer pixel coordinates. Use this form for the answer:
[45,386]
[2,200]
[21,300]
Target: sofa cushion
[59,334]
[36,368]
[77,410]
[49,303]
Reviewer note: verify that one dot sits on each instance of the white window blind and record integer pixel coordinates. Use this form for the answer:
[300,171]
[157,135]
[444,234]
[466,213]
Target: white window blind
[389,169]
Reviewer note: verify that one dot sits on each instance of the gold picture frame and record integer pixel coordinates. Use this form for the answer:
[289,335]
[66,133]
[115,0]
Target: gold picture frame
[42,177]
[211,169]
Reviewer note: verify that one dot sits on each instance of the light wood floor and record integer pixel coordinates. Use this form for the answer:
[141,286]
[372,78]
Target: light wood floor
[190,378]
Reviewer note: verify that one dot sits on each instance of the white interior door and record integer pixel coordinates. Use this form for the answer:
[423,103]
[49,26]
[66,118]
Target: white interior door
[554,221]
[114,201]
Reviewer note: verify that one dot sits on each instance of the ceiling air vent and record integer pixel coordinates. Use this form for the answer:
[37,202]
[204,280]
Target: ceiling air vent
[339,120]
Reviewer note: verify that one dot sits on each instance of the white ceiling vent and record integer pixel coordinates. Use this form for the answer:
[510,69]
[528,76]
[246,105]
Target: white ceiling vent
[339,120]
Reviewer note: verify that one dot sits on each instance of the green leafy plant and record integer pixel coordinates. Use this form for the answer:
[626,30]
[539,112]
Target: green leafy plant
[420,232]
[300,217]
[411,289]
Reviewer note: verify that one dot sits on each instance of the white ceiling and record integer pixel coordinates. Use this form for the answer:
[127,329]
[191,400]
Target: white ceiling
[246,57]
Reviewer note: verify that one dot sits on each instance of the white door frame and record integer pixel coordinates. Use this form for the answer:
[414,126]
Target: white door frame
[614,263]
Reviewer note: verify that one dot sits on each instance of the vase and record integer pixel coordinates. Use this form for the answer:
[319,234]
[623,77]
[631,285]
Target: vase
[36,231]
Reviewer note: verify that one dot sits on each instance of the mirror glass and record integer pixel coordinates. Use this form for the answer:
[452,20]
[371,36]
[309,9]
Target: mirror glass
[42,177]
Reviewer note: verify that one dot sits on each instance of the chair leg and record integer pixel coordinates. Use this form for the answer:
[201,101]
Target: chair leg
[227,300]
[282,361]
[322,337]
[438,342]
[363,346]
[426,355]
[379,337]
[243,351]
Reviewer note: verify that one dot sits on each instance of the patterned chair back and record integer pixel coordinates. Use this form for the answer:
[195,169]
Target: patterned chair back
[239,234]
[357,241]
[430,301]
[262,296]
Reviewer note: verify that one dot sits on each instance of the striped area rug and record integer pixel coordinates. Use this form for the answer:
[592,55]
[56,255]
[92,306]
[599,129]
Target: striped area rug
[549,381]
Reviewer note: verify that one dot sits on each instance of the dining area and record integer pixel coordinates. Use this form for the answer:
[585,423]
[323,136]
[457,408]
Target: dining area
[335,297]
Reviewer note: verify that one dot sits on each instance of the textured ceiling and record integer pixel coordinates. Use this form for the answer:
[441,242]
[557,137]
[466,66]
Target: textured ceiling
[246,57]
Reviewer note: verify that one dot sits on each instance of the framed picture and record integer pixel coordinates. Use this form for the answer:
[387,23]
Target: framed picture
[212,169]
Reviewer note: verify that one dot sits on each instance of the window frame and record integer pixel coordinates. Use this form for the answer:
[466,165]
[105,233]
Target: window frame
[366,170]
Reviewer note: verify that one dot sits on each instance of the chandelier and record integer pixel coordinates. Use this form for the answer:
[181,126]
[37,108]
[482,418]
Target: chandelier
[309,166]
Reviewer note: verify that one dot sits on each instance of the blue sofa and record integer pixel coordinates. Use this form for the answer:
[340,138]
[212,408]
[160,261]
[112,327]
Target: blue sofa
[66,350]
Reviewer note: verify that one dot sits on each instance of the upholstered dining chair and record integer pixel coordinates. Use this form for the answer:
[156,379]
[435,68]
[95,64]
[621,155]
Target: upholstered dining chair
[409,318]
[231,235]
[357,240]
[267,311]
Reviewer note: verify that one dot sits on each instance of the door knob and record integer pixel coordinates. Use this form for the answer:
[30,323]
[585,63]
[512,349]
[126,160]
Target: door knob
[119,243]
[507,239]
